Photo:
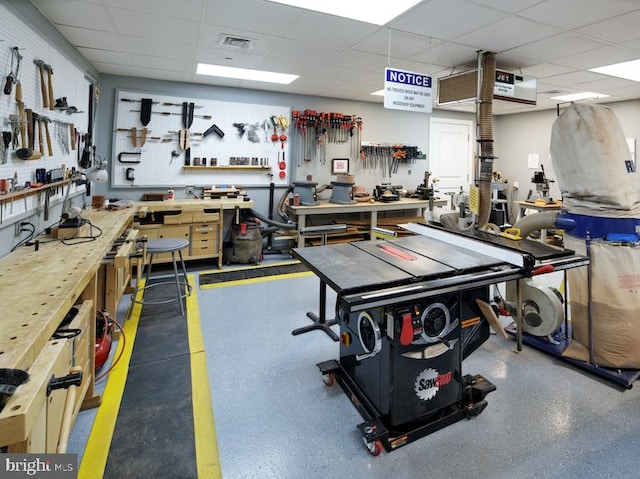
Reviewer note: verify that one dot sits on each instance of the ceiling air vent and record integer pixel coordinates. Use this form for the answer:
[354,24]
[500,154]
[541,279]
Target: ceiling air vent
[235,42]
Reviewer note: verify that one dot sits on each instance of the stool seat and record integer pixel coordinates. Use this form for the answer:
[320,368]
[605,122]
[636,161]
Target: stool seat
[166,245]
[161,246]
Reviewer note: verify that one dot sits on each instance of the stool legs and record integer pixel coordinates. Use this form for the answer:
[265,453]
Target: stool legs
[179,284]
[175,272]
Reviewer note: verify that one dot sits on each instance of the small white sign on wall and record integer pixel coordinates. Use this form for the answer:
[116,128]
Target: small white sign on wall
[533,161]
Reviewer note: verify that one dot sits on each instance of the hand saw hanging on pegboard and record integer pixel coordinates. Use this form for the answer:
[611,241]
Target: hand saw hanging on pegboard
[185,141]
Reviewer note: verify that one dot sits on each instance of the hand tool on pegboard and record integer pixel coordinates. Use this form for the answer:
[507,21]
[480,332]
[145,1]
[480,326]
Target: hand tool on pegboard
[49,70]
[169,113]
[6,141]
[45,123]
[43,87]
[146,105]
[213,129]
[38,122]
[15,130]
[12,77]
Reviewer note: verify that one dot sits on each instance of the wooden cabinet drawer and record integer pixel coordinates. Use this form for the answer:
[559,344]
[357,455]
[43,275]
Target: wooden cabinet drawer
[203,248]
[206,215]
[177,217]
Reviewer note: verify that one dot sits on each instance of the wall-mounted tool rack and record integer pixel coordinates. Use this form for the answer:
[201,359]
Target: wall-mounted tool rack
[171,149]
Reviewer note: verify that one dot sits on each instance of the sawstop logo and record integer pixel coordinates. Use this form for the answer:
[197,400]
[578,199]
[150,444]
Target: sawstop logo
[429,382]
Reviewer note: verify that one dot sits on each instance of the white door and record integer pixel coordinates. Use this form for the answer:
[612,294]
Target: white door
[451,153]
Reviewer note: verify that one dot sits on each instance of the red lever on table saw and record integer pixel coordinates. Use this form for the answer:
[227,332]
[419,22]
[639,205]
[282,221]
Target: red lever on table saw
[406,332]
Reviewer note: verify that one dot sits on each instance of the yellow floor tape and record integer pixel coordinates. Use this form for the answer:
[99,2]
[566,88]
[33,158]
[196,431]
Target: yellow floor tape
[261,279]
[94,459]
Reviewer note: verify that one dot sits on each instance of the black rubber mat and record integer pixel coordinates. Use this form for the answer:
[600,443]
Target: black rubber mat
[154,435]
[250,273]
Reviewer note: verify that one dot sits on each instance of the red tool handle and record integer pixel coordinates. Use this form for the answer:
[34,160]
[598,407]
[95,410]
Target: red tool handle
[548,268]
[406,332]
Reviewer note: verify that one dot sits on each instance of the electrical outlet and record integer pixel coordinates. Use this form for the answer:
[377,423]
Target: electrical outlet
[515,184]
[190,190]
[16,231]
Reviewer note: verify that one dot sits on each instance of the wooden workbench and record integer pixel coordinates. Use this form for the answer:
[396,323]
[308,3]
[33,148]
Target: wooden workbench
[369,208]
[37,289]
[200,222]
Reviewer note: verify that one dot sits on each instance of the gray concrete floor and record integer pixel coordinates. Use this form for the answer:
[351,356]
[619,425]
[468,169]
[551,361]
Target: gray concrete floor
[275,418]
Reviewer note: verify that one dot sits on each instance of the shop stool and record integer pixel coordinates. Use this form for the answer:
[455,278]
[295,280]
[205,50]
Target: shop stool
[160,246]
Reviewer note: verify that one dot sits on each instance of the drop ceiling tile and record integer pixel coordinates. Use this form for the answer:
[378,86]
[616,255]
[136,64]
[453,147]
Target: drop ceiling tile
[544,70]
[570,14]
[75,13]
[599,57]
[449,54]
[443,19]
[155,47]
[153,26]
[166,64]
[251,15]
[618,29]
[558,46]
[105,56]
[184,9]
[305,51]
[572,79]
[507,33]
[606,83]
[401,44]
[361,61]
[114,69]
[317,27]
[160,74]
[510,6]
[83,37]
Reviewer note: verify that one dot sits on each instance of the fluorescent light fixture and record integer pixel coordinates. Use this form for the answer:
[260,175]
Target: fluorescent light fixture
[378,93]
[579,96]
[628,70]
[376,12]
[244,74]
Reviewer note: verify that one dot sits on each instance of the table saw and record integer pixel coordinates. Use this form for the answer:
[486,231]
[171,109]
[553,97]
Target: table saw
[408,311]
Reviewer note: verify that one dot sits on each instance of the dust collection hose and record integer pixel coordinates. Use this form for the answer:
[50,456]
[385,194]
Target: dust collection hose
[539,221]
[484,125]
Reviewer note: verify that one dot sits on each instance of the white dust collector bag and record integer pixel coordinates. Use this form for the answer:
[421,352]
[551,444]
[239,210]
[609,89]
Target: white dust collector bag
[590,158]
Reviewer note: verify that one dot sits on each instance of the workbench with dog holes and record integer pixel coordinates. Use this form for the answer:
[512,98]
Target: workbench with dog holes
[38,288]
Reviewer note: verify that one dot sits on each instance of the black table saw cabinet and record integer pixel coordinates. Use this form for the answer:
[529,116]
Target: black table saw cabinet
[406,358]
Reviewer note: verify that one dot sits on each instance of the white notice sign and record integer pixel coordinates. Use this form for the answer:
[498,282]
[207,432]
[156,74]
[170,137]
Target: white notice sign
[405,90]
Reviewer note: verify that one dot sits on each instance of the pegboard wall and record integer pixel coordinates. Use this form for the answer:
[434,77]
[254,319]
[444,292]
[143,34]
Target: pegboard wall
[238,150]
[67,80]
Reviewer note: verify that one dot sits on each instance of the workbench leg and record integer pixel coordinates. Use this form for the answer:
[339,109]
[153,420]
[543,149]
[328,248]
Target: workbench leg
[374,224]
[320,321]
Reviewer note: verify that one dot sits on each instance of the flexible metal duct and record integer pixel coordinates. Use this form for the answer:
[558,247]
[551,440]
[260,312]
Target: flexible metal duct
[485,134]
[539,221]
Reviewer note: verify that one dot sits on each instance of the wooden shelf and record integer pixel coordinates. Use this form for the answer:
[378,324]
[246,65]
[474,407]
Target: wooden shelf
[227,167]
[31,191]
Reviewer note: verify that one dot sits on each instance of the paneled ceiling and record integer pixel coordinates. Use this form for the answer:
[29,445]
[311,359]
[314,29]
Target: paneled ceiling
[555,41]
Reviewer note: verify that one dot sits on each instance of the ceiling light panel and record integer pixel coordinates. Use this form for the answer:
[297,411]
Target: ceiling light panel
[244,74]
[585,95]
[377,13]
[628,70]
